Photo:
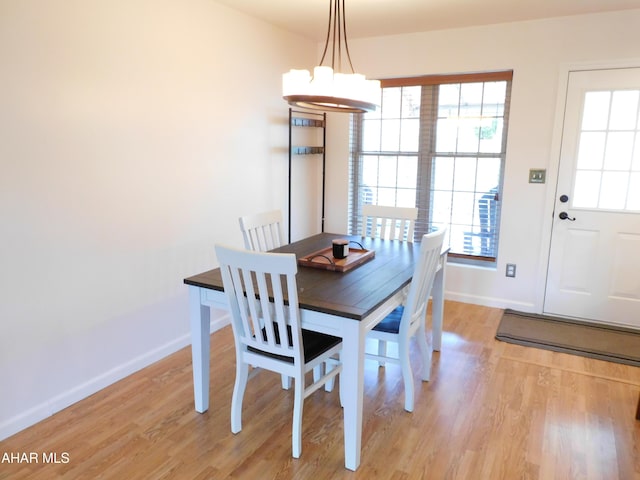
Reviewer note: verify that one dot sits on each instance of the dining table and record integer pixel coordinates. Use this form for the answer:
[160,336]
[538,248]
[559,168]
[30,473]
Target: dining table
[346,304]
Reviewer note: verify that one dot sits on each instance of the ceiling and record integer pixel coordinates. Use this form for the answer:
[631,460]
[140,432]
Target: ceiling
[370,18]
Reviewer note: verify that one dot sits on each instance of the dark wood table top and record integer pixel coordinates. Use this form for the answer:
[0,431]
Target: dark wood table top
[352,294]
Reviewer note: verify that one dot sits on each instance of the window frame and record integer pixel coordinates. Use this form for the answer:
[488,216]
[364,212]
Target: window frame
[427,153]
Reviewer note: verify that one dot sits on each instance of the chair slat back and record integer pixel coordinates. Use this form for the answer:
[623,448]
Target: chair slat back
[392,223]
[262,293]
[420,288]
[262,231]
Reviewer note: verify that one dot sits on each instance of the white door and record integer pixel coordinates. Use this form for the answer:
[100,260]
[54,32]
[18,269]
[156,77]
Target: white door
[594,260]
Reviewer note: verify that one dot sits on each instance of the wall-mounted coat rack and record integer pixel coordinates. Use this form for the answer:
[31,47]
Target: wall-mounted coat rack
[303,119]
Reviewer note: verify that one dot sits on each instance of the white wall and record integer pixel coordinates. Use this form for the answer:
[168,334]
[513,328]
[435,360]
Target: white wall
[538,52]
[133,134]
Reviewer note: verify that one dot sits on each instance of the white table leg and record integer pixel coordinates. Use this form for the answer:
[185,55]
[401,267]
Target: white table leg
[437,304]
[199,318]
[352,357]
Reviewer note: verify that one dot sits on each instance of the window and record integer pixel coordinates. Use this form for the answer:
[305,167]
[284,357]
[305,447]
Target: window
[437,143]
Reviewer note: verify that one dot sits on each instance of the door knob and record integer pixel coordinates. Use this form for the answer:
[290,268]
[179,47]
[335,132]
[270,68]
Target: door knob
[565,216]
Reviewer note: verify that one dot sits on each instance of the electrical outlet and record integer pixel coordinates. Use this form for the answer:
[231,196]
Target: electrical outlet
[511,270]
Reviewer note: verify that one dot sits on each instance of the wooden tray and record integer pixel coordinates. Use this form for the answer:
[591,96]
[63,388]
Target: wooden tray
[323,259]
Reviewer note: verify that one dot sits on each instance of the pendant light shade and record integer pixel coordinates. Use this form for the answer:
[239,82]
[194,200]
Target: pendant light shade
[330,89]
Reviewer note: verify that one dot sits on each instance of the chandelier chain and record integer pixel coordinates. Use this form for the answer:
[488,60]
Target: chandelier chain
[338,26]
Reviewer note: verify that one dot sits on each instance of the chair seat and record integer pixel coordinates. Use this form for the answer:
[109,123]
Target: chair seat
[391,323]
[314,344]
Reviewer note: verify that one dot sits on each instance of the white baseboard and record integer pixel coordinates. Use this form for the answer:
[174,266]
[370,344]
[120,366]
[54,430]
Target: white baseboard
[490,301]
[63,400]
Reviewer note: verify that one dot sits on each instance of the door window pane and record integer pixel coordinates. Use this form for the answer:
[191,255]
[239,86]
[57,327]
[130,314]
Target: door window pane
[624,110]
[633,198]
[617,155]
[609,151]
[596,110]
[613,192]
[591,150]
[587,189]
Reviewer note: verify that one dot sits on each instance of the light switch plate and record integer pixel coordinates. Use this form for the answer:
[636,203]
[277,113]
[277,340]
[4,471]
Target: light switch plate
[537,175]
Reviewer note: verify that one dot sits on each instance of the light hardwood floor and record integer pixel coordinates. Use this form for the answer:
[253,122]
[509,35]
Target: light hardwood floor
[491,411]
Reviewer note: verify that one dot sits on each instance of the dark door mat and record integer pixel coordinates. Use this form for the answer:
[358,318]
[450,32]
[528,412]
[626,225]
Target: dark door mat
[603,342]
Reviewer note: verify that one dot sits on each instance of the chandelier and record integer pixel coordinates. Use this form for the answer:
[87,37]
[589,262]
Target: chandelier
[330,89]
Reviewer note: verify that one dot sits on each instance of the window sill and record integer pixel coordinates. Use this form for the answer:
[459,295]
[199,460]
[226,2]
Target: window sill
[467,261]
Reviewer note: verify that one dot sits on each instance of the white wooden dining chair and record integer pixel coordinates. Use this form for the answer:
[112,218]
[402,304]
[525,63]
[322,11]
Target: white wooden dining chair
[262,293]
[393,223]
[262,231]
[408,321]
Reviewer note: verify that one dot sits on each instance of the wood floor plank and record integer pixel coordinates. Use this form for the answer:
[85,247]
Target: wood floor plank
[491,410]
